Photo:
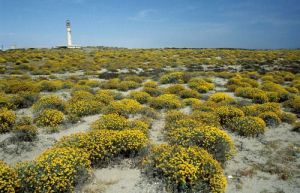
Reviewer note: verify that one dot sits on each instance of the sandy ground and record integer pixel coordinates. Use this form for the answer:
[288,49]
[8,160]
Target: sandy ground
[14,151]
[124,178]
[269,163]
[156,132]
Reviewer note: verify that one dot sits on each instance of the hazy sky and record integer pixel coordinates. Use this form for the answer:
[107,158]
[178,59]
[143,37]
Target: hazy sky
[152,23]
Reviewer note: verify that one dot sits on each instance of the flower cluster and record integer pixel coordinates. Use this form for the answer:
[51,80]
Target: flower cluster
[200,85]
[106,144]
[7,120]
[168,101]
[238,81]
[8,178]
[248,125]
[50,118]
[208,118]
[51,85]
[55,170]
[258,95]
[49,102]
[186,168]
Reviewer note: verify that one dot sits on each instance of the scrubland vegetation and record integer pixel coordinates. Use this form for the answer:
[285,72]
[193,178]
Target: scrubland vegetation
[207,101]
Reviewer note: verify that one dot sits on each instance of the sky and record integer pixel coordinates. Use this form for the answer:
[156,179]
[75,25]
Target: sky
[264,24]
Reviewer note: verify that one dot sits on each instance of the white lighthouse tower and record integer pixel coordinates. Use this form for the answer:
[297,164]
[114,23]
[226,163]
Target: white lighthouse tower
[69,36]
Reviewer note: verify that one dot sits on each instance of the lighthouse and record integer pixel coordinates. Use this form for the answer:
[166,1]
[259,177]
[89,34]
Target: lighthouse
[69,36]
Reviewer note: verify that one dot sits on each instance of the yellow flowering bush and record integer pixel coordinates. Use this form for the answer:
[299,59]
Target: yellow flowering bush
[189,93]
[173,77]
[124,107]
[82,95]
[150,84]
[5,101]
[154,92]
[216,141]
[110,121]
[270,118]
[105,96]
[238,81]
[106,144]
[7,120]
[221,98]
[128,85]
[50,118]
[25,130]
[51,85]
[207,106]
[200,85]
[256,109]
[208,118]
[49,102]
[168,101]
[273,87]
[288,117]
[141,125]
[174,89]
[227,113]
[189,169]
[248,125]
[8,178]
[79,108]
[195,103]
[55,170]
[258,95]
[140,96]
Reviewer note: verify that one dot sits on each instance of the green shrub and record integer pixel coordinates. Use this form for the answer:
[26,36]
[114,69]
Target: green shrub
[221,98]
[200,85]
[189,93]
[173,77]
[49,102]
[288,117]
[25,130]
[294,104]
[208,118]
[270,118]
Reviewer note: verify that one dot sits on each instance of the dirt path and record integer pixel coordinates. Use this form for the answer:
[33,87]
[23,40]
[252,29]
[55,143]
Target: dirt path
[156,131]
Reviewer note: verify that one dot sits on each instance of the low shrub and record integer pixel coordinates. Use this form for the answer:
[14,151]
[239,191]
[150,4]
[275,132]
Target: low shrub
[273,87]
[110,121]
[195,103]
[9,181]
[80,108]
[208,118]
[105,96]
[216,141]
[227,113]
[221,98]
[6,101]
[103,145]
[200,85]
[294,104]
[149,112]
[124,107]
[173,77]
[256,109]
[140,96]
[150,84]
[7,120]
[189,93]
[288,117]
[25,99]
[51,85]
[127,85]
[49,102]
[154,92]
[55,170]
[25,130]
[174,89]
[50,118]
[186,169]
[270,118]
[168,101]
[248,125]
